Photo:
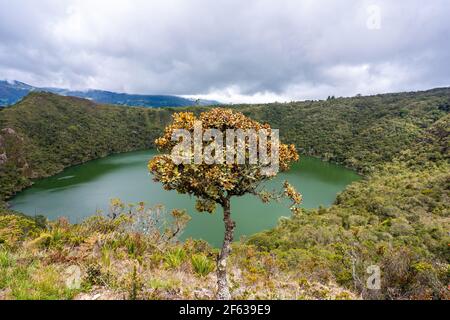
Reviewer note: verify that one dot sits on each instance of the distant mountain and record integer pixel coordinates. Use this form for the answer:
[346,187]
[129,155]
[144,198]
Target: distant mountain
[13,91]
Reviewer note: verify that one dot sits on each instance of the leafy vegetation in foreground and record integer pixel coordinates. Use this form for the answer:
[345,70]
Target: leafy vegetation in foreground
[396,218]
[119,259]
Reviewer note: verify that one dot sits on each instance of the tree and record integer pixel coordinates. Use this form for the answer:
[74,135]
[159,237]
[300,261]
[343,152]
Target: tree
[216,183]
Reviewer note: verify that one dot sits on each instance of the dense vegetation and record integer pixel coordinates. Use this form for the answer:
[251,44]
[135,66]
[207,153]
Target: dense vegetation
[396,218]
[358,132]
[45,133]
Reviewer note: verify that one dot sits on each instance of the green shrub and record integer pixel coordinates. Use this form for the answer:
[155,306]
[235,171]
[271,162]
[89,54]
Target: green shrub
[174,259]
[202,265]
[43,241]
[94,275]
[33,281]
[163,284]
[6,259]
[14,229]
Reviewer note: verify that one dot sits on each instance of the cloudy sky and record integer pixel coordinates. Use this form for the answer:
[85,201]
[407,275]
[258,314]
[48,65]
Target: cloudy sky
[232,51]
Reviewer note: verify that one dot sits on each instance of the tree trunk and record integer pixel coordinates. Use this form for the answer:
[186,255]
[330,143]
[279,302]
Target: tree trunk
[223,292]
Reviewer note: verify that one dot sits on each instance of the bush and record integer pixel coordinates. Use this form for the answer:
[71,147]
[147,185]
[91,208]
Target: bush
[6,259]
[202,265]
[15,228]
[174,259]
[43,241]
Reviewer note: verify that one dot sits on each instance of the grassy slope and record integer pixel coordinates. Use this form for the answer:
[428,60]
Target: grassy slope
[396,218]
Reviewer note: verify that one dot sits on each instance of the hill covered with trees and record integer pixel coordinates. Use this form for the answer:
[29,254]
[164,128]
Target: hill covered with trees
[396,218]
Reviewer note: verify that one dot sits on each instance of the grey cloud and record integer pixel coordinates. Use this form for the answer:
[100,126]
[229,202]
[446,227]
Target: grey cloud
[232,50]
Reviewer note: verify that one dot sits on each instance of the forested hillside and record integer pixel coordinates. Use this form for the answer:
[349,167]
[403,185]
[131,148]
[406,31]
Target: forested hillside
[360,132]
[396,218]
[45,133]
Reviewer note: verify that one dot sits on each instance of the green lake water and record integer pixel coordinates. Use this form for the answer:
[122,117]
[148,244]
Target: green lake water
[80,191]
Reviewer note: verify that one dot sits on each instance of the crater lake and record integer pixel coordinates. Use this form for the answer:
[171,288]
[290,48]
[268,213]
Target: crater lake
[87,189]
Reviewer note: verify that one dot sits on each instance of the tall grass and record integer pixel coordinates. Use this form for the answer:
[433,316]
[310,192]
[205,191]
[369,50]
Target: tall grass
[202,265]
[174,259]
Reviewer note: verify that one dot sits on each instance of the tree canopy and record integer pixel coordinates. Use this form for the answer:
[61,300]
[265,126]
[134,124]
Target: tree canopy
[212,183]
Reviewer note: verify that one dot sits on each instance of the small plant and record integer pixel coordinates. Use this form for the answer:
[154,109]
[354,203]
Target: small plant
[106,256]
[135,284]
[163,284]
[94,275]
[202,265]
[136,245]
[6,259]
[174,259]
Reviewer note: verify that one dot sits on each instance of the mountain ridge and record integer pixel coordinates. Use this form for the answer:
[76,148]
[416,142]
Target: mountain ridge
[12,92]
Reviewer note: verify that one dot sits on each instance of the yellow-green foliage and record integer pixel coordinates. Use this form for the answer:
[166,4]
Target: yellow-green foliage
[175,258]
[164,284]
[14,228]
[32,281]
[359,132]
[202,265]
[43,241]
